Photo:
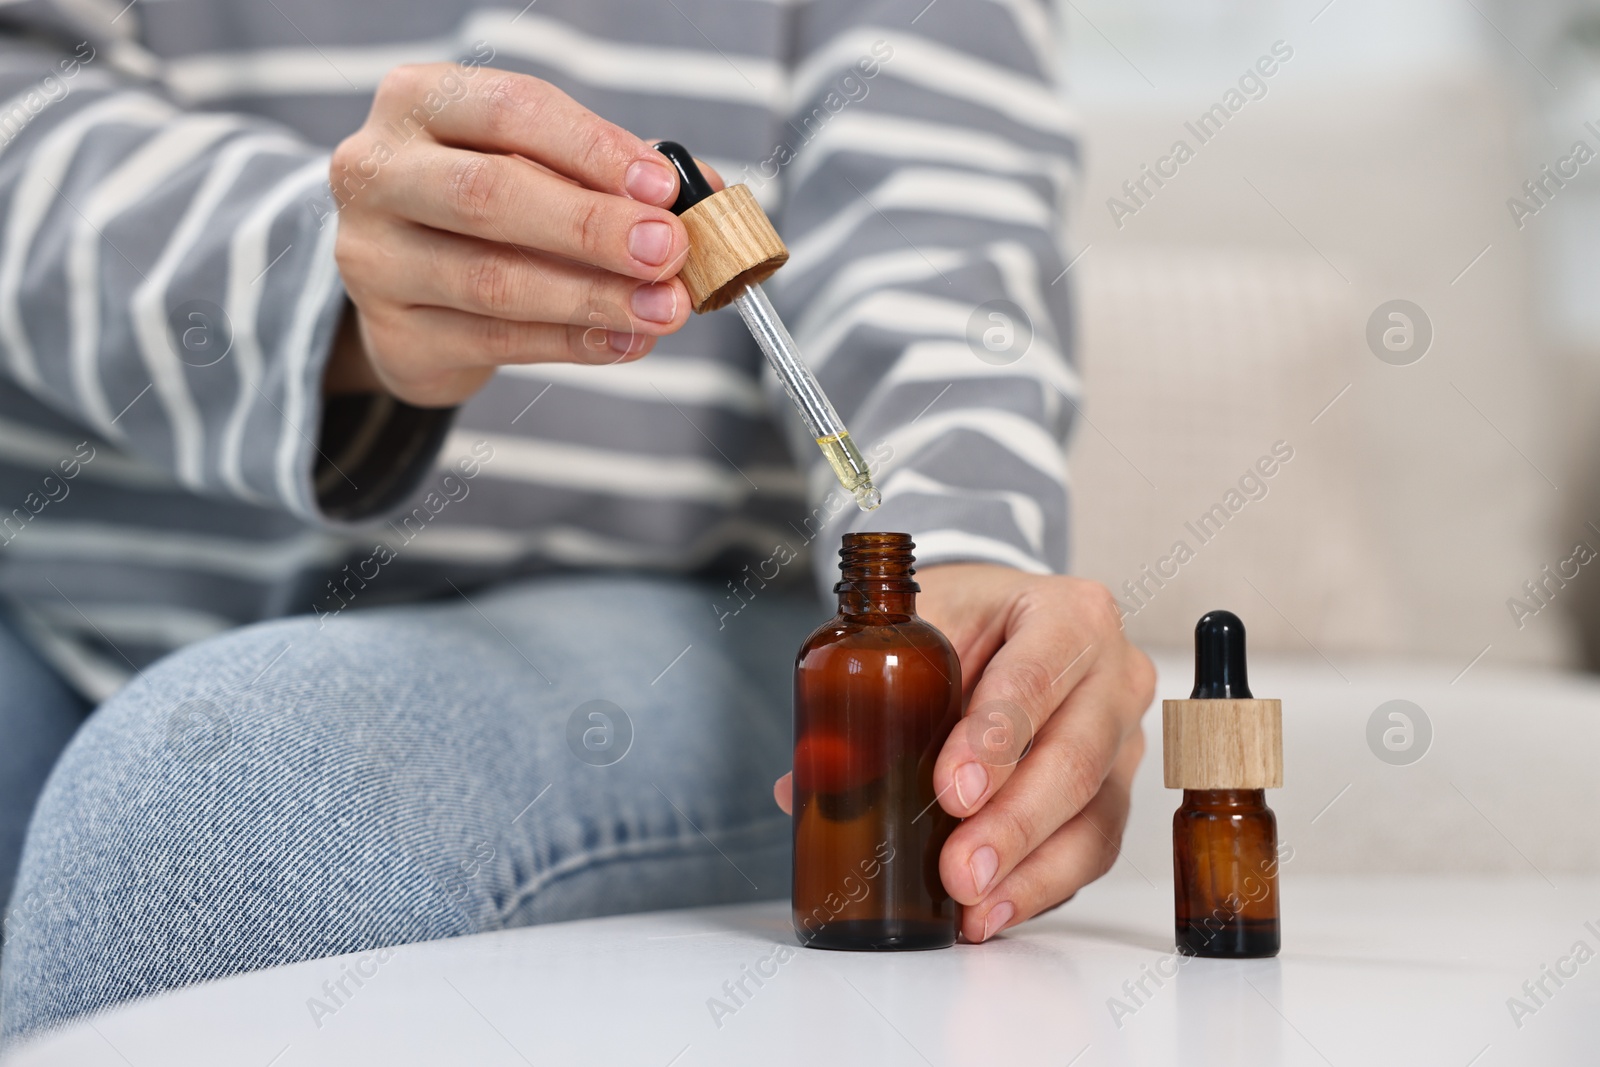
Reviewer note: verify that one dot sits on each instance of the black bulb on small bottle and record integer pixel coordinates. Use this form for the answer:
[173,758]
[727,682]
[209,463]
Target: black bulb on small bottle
[1219,671]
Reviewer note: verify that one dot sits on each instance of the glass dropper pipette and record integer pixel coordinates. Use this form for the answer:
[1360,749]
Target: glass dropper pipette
[827,429]
[783,355]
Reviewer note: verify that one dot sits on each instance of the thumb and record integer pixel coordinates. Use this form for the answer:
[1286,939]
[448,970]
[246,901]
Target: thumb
[705,168]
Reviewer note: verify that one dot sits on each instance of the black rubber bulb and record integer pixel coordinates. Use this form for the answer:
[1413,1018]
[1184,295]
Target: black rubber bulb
[1219,671]
[692,185]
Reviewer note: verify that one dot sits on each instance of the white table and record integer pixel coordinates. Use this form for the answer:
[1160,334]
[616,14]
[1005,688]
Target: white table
[1414,971]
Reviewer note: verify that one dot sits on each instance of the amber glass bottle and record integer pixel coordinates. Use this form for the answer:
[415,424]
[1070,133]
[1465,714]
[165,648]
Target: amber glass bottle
[1225,840]
[876,692]
[1225,851]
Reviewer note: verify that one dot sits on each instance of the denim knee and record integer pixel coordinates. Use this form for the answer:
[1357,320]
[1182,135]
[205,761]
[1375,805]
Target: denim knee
[296,790]
[217,816]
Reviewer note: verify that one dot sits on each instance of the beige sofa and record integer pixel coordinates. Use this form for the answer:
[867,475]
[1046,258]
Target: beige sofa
[1229,314]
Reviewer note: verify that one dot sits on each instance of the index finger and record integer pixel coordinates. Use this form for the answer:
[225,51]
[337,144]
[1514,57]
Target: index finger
[500,111]
[1019,690]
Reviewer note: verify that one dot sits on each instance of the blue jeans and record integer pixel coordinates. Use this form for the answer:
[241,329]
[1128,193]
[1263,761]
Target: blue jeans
[39,713]
[556,749]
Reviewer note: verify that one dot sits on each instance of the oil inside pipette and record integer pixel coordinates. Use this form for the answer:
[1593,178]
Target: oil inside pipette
[851,469]
[765,326]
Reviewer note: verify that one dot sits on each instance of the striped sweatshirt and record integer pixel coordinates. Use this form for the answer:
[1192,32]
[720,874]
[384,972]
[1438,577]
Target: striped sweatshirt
[169,297]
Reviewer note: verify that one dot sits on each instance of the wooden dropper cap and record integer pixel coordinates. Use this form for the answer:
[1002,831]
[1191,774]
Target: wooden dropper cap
[731,241]
[1221,737]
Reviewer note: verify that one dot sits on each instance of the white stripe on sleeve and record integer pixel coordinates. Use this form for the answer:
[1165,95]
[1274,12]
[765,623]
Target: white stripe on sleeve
[701,382]
[150,299]
[178,143]
[705,479]
[941,69]
[942,192]
[322,282]
[37,190]
[1022,437]
[247,261]
[939,546]
[1025,511]
[894,137]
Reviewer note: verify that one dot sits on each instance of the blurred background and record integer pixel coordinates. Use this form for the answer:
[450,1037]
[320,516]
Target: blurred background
[1227,310]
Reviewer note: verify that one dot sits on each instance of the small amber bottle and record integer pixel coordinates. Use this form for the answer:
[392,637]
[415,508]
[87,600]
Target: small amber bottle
[1224,748]
[876,692]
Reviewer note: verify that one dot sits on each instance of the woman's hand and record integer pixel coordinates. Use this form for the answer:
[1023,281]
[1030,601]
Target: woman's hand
[487,218]
[1045,661]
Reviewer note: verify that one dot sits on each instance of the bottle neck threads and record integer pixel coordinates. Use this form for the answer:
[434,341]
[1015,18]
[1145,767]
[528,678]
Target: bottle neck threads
[875,572]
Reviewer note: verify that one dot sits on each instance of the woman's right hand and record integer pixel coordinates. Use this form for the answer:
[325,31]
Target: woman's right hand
[460,257]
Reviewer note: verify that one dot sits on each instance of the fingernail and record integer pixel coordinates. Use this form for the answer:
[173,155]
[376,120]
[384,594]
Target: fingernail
[622,343]
[971,781]
[997,918]
[983,863]
[650,182]
[650,242]
[657,303]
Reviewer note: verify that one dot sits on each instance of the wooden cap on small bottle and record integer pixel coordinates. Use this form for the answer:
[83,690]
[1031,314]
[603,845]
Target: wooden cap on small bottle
[731,241]
[1222,744]
[731,245]
[1221,737]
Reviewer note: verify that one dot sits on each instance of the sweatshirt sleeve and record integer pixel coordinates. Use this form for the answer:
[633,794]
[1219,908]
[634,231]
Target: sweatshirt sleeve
[925,166]
[167,277]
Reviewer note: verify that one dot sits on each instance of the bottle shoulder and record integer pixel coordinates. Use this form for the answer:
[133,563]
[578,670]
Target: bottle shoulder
[875,631]
[873,636]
